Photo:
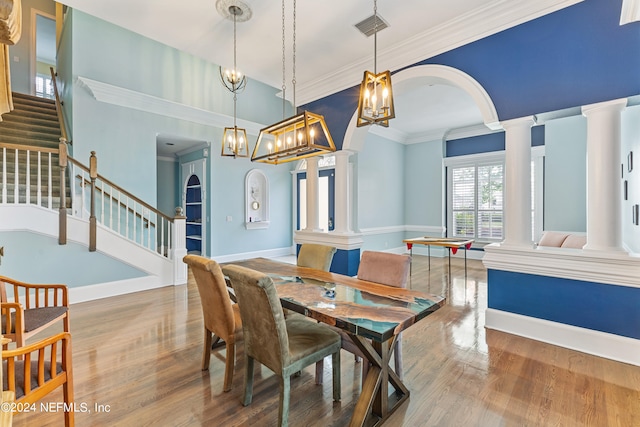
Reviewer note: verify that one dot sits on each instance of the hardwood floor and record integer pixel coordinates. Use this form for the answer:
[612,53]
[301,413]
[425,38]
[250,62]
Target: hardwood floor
[137,358]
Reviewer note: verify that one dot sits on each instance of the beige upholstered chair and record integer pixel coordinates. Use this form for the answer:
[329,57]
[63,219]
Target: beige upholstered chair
[284,345]
[29,308]
[35,370]
[316,256]
[221,317]
[387,269]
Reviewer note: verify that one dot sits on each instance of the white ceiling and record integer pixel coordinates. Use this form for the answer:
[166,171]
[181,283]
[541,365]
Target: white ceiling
[331,54]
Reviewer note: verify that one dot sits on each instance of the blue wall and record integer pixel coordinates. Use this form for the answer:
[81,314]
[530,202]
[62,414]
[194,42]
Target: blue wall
[572,302]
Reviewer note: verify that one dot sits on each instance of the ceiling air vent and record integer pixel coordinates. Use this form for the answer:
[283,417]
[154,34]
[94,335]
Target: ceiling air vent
[367,26]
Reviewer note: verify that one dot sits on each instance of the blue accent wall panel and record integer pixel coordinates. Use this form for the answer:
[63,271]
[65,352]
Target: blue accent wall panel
[346,262]
[598,306]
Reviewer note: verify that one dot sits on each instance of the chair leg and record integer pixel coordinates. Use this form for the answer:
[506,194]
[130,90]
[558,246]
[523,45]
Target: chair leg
[66,322]
[319,372]
[335,362]
[285,391]
[206,353]
[67,391]
[248,381]
[229,365]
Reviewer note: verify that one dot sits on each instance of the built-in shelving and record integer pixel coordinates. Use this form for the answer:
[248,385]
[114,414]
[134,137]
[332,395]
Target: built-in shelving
[193,204]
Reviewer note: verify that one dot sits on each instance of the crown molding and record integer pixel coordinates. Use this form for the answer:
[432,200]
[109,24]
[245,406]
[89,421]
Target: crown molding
[115,95]
[494,17]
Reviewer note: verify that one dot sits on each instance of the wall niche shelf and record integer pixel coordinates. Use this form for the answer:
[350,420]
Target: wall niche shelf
[256,200]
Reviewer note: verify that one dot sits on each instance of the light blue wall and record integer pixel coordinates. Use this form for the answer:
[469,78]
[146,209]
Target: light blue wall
[20,71]
[631,142]
[380,187]
[167,178]
[125,139]
[565,191]
[424,184]
[35,258]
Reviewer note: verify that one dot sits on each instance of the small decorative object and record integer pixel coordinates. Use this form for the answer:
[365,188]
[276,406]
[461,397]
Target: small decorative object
[626,190]
[630,161]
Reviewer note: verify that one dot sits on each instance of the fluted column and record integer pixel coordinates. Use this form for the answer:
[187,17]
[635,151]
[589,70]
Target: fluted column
[313,195]
[517,182]
[342,224]
[604,226]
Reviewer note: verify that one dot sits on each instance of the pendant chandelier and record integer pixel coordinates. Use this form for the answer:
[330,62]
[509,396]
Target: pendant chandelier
[375,104]
[300,136]
[234,139]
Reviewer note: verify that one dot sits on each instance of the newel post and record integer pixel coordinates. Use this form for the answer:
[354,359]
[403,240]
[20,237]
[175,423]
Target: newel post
[62,210]
[93,174]
[179,247]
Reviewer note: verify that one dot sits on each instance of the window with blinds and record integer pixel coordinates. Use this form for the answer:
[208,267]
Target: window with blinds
[476,201]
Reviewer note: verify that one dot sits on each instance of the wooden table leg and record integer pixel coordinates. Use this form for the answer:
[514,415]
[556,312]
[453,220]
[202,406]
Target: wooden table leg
[374,398]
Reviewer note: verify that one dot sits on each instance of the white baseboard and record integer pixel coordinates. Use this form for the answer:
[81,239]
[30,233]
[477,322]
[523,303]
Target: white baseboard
[610,346]
[111,289]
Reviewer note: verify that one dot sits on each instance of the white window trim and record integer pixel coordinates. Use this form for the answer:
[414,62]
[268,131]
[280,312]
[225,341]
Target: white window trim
[481,159]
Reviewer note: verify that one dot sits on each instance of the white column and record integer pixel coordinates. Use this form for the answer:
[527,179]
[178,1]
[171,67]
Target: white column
[517,182]
[342,220]
[604,199]
[313,195]
[179,247]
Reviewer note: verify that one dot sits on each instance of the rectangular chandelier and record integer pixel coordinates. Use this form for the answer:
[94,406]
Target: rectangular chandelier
[234,142]
[375,104]
[298,137]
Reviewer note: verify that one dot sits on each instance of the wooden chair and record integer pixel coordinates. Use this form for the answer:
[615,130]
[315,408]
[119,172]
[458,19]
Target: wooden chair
[284,345]
[35,370]
[387,269]
[315,256]
[29,308]
[221,317]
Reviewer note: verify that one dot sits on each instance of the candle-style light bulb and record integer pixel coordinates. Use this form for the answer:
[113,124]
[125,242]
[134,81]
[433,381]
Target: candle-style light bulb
[270,147]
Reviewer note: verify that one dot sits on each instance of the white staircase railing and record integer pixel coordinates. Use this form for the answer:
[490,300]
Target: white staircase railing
[31,174]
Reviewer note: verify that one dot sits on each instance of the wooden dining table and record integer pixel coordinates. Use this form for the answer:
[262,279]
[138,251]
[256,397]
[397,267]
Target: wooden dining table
[372,314]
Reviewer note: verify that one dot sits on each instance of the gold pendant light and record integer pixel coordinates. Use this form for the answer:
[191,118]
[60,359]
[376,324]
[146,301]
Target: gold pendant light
[375,104]
[234,139]
[300,136]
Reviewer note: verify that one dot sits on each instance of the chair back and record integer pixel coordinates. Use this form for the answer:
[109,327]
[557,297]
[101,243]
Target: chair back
[385,268]
[316,256]
[216,304]
[263,322]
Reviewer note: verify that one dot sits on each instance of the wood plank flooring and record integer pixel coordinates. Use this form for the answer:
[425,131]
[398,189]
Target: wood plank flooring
[136,361]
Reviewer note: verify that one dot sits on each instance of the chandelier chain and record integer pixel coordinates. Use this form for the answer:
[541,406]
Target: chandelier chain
[284,81]
[293,80]
[375,36]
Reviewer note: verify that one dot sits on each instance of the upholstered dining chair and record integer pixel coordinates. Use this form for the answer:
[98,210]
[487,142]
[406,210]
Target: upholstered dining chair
[284,345]
[35,370]
[29,308]
[387,269]
[315,256]
[221,317]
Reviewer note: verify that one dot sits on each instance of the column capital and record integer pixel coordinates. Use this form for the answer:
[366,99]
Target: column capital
[527,121]
[343,153]
[615,105]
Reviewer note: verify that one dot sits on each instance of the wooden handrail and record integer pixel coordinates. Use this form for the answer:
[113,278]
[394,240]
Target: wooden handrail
[120,189]
[63,128]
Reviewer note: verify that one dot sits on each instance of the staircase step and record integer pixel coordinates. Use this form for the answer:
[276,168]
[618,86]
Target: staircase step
[31,121]
[35,143]
[24,99]
[12,132]
[36,113]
